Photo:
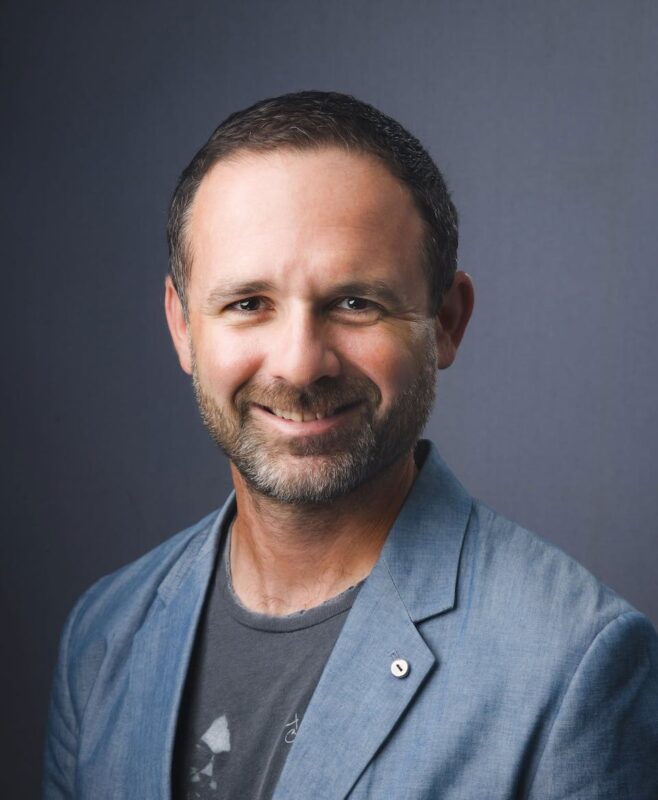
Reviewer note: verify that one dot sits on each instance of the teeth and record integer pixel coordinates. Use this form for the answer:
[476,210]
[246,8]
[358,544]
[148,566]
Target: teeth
[301,416]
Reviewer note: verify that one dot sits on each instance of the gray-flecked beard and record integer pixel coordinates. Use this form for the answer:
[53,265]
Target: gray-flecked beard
[316,469]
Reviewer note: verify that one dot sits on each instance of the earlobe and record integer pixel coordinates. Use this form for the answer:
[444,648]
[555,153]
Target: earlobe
[453,318]
[177,325]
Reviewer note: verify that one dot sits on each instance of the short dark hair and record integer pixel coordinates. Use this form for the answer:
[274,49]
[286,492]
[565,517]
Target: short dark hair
[312,120]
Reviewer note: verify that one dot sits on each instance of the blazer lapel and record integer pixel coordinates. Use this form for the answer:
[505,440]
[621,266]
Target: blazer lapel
[358,700]
[159,661]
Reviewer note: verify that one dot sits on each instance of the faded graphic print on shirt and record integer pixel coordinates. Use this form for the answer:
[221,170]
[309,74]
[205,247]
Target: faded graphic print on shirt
[204,766]
[206,762]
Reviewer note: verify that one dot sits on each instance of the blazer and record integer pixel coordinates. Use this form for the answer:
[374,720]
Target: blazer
[527,677]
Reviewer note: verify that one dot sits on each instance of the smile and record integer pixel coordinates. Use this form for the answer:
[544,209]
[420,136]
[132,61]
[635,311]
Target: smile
[305,416]
[296,418]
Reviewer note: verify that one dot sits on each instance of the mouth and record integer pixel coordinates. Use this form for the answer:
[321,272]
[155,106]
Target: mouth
[297,421]
[299,415]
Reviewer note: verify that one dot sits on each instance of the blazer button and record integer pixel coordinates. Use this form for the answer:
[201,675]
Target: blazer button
[400,668]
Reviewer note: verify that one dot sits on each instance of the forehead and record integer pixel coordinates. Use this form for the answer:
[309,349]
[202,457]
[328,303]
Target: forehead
[317,212]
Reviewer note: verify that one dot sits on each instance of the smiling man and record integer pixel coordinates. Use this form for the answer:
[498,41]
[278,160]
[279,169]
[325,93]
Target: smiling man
[351,622]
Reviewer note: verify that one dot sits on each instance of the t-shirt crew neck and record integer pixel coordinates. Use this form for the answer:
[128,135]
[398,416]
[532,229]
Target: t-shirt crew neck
[283,623]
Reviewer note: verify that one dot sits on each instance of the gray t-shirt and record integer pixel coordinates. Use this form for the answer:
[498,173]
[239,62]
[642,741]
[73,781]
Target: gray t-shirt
[248,685]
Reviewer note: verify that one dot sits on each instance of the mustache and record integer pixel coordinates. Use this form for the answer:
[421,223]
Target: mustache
[325,393]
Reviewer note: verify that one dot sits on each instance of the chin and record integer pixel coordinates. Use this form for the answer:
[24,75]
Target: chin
[305,480]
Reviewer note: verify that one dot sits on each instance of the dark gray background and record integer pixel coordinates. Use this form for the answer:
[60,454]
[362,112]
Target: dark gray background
[544,118]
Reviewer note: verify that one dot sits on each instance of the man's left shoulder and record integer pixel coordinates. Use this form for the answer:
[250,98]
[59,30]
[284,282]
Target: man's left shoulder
[525,583]
[544,668]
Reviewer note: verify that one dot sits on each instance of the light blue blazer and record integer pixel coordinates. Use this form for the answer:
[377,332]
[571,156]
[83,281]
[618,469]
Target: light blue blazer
[528,678]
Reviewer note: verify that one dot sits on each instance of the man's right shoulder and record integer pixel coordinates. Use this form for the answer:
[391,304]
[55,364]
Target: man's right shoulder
[117,603]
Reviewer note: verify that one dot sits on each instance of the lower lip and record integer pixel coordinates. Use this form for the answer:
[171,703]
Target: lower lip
[310,428]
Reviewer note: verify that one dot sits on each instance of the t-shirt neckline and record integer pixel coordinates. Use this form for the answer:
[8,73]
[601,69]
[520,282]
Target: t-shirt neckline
[298,620]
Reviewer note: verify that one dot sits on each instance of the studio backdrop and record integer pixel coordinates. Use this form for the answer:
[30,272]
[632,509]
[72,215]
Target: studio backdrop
[543,118]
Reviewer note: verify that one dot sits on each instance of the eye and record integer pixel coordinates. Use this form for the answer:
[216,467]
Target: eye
[249,304]
[357,310]
[357,304]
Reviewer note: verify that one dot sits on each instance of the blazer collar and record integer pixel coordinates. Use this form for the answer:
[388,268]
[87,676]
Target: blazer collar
[423,548]
[195,565]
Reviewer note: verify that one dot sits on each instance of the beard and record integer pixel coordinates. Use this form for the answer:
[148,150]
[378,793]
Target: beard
[317,469]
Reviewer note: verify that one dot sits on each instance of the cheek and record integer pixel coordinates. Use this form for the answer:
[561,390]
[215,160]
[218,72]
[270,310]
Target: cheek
[390,361]
[225,361]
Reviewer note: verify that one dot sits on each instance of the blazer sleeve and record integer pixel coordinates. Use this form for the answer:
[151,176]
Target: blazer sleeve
[62,730]
[604,739]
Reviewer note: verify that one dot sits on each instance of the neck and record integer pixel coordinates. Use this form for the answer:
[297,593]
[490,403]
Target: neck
[285,558]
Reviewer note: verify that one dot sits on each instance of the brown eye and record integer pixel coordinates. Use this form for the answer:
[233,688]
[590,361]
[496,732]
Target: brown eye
[355,304]
[248,304]
[357,310]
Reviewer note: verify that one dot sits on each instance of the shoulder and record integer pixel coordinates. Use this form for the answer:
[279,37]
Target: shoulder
[568,655]
[97,640]
[526,564]
[531,577]
[113,608]
[538,602]
[548,647]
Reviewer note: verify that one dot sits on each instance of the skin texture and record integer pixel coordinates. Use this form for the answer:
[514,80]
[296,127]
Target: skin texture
[306,293]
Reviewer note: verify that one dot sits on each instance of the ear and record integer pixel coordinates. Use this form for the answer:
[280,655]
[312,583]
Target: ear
[453,318]
[177,325]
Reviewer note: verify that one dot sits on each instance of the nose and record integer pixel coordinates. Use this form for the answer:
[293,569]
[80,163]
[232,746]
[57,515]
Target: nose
[301,352]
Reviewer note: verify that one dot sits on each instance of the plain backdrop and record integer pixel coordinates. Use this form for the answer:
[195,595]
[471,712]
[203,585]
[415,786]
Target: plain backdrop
[543,117]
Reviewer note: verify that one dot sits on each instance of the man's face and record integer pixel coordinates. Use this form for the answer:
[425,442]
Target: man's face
[309,341]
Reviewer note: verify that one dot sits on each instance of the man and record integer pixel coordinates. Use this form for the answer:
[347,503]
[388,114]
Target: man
[351,623]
